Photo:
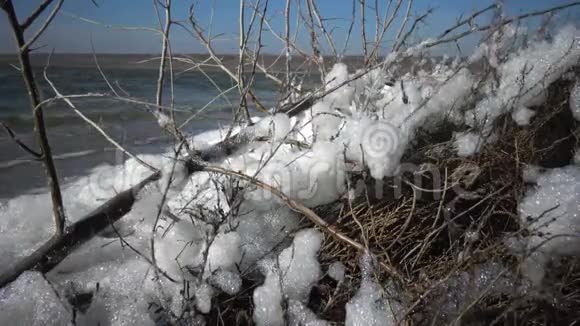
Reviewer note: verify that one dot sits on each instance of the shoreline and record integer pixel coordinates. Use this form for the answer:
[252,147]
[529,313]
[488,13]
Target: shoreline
[151,61]
[77,150]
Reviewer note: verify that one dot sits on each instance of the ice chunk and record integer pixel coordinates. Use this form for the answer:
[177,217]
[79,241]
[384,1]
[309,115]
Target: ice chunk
[575,100]
[262,230]
[467,143]
[299,265]
[322,175]
[337,270]
[227,281]
[123,283]
[300,315]
[551,213]
[461,289]
[203,295]
[325,121]
[177,247]
[379,144]
[31,300]
[295,270]
[314,177]
[225,251]
[368,307]
[268,301]
[522,115]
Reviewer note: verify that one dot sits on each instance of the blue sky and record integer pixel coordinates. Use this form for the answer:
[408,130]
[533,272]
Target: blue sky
[70,34]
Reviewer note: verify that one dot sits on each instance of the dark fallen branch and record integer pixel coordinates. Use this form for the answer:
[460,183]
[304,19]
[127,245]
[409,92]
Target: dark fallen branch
[57,248]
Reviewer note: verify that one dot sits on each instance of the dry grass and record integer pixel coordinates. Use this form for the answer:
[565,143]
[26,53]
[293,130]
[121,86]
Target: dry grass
[425,240]
[426,235]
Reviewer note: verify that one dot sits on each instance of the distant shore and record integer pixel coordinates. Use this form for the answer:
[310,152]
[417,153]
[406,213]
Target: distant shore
[151,61]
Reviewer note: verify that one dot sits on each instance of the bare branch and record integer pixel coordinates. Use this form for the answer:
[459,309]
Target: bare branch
[503,22]
[126,28]
[37,115]
[324,31]
[93,124]
[34,15]
[316,52]
[349,33]
[363,30]
[198,33]
[165,44]
[287,43]
[387,24]
[42,28]
[401,42]
[403,24]
[22,145]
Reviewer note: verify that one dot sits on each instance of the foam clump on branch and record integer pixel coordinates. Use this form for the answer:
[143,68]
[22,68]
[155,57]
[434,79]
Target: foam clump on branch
[522,77]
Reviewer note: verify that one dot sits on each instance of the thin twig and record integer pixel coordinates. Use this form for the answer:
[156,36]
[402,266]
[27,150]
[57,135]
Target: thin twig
[42,28]
[94,124]
[34,15]
[313,217]
[22,145]
[165,44]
